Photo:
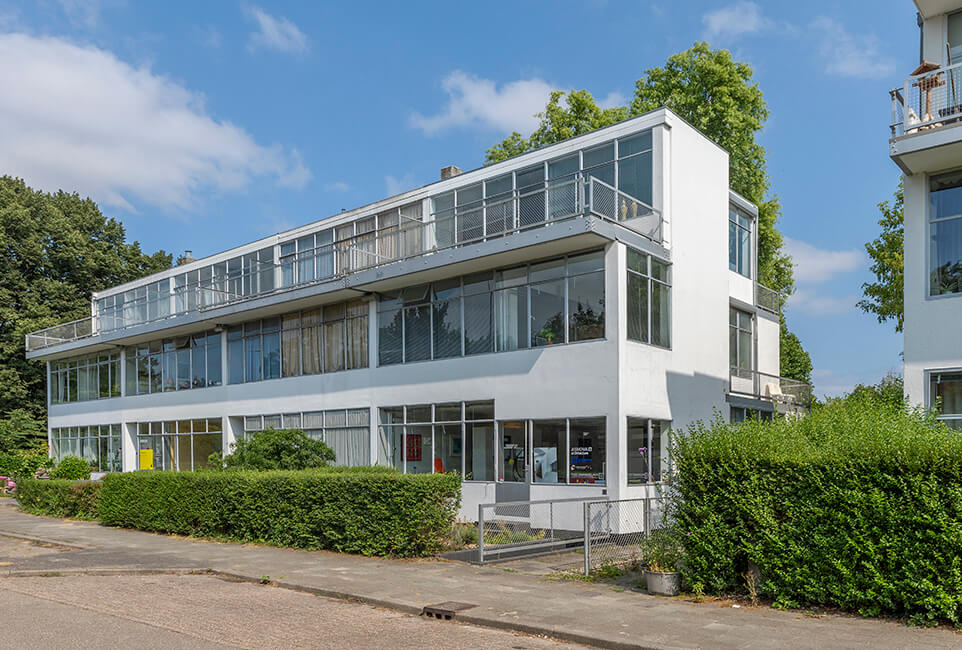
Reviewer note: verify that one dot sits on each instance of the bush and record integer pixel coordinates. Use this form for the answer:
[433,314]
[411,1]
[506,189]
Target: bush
[24,462]
[71,468]
[662,550]
[373,512]
[287,449]
[857,505]
[59,498]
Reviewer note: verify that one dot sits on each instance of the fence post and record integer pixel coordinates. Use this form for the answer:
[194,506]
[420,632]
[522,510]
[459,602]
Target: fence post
[481,533]
[550,517]
[646,513]
[587,508]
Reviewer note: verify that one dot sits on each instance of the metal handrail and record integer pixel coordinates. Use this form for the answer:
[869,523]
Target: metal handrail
[927,100]
[409,239]
[774,388]
[768,299]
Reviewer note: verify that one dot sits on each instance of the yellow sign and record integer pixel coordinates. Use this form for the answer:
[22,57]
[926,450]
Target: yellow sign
[146,459]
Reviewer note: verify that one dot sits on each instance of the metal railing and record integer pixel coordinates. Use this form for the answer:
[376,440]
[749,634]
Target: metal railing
[768,299]
[615,530]
[778,390]
[927,100]
[513,529]
[519,211]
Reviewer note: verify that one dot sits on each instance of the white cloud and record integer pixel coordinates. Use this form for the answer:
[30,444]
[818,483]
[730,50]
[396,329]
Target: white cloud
[276,33]
[337,186]
[612,100]
[815,266]
[398,185]
[850,55]
[813,303]
[83,13]
[735,20]
[80,119]
[476,102]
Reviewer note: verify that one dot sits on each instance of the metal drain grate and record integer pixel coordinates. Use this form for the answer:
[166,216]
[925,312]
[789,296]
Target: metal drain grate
[445,611]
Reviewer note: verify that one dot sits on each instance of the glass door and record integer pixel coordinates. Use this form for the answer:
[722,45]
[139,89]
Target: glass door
[514,472]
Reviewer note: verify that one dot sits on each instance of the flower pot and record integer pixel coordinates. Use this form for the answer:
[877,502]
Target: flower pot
[663,583]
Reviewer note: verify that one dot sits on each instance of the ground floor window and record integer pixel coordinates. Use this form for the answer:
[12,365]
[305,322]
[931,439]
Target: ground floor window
[445,437]
[740,414]
[647,451]
[945,394]
[99,445]
[346,431]
[179,445]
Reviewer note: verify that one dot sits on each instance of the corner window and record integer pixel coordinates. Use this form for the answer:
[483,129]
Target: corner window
[945,391]
[945,234]
[739,242]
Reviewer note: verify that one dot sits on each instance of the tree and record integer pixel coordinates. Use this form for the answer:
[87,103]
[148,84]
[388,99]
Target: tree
[889,391]
[718,96]
[21,430]
[278,449]
[794,360]
[57,250]
[885,297]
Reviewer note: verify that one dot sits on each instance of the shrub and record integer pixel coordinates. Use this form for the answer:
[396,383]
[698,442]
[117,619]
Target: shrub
[59,498]
[662,550]
[372,512]
[24,462]
[71,468]
[857,505]
[288,449]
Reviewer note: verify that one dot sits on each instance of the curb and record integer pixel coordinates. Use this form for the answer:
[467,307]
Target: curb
[48,542]
[63,573]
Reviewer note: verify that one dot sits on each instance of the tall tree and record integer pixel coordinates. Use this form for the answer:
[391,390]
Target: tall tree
[57,250]
[885,297]
[718,96]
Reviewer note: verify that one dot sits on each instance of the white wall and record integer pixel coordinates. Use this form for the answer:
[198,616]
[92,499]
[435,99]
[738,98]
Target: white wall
[768,345]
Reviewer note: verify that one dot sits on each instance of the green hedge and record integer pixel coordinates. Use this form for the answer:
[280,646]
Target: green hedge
[371,512]
[59,498]
[24,462]
[857,505]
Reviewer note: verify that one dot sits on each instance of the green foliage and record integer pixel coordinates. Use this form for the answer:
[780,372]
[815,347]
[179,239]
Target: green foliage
[57,249]
[20,430]
[371,513]
[890,390]
[884,297]
[71,468]
[24,462]
[662,550]
[59,498]
[857,505]
[794,361]
[289,449]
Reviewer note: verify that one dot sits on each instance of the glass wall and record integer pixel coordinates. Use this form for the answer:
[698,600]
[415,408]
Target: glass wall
[99,445]
[552,302]
[182,445]
[91,377]
[326,339]
[179,363]
[580,441]
[945,234]
[346,431]
[945,392]
[447,437]
[740,340]
[739,241]
[649,299]
[647,450]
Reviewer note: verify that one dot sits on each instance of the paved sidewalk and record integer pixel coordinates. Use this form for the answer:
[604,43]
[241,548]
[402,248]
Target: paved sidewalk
[576,611]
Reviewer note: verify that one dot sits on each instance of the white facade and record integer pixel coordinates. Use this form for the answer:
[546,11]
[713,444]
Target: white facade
[926,143]
[682,224]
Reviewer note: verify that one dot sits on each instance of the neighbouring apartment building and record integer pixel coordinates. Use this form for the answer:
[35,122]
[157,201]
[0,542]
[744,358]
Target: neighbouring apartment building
[926,144]
[536,325]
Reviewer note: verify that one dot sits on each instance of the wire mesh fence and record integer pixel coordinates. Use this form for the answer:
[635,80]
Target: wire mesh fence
[514,529]
[614,531]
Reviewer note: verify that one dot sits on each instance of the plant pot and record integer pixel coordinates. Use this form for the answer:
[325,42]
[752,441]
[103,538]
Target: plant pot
[667,583]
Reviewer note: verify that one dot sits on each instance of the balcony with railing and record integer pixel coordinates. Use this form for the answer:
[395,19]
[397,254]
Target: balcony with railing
[929,99]
[785,394]
[403,238]
[768,299]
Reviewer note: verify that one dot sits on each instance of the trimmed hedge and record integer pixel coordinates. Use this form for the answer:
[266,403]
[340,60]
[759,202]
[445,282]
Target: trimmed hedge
[370,512]
[59,498]
[857,505]
[24,462]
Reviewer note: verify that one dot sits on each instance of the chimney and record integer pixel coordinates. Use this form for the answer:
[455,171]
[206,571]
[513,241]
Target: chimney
[449,172]
[187,258]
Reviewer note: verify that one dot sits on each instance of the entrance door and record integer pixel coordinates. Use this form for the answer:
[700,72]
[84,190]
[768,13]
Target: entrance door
[513,461]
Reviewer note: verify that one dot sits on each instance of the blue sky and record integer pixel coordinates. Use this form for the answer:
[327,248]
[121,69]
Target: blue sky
[206,125]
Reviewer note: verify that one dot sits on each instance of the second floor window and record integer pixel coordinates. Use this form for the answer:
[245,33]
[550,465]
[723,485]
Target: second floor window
[945,234]
[739,242]
[740,341]
[649,299]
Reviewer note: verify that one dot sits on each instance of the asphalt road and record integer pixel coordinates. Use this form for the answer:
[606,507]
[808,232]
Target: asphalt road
[197,611]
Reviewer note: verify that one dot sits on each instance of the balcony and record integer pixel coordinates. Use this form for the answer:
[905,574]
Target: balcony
[768,299]
[786,395]
[408,239]
[925,110]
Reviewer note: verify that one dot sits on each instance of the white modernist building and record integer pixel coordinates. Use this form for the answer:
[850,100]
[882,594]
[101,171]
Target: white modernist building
[536,325]
[926,143]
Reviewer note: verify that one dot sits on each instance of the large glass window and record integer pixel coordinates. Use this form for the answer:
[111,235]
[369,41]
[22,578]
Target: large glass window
[545,303]
[572,451]
[945,234]
[647,450]
[346,431]
[87,378]
[548,451]
[649,299]
[436,438]
[634,168]
[945,392]
[181,445]
[740,342]
[739,241]
[179,363]
[99,445]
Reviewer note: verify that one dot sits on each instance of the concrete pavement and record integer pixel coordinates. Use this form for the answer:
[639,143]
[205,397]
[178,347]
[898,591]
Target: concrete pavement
[588,613]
